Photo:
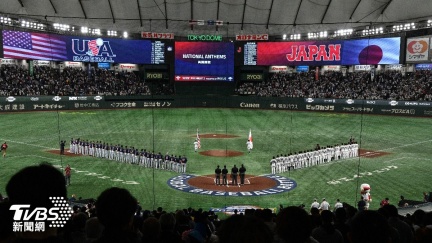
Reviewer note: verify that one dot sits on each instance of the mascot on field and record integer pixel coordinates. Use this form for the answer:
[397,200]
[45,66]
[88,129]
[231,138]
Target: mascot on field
[365,194]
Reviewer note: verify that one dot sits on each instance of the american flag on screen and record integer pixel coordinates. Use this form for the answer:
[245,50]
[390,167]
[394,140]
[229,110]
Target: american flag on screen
[198,139]
[25,45]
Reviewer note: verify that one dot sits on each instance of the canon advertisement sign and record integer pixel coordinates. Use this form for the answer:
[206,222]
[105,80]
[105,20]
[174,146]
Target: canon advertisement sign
[279,69]
[127,67]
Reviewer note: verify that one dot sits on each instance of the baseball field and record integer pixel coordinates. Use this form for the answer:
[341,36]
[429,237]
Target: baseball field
[396,154]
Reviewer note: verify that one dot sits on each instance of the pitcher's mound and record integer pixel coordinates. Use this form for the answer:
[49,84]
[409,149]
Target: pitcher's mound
[217,135]
[221,153]
[66,153]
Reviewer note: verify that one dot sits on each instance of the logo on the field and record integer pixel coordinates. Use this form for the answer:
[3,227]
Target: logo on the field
[283,184]
[33,220]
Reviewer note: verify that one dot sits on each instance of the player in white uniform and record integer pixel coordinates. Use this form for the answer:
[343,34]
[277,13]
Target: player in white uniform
[249,145]
[273,165]
[356,148]
[196,145]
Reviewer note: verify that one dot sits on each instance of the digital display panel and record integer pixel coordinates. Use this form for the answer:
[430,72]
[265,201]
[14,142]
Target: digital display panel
[204,61]
[42,46]
[250,53]
[371,51]
[299,53]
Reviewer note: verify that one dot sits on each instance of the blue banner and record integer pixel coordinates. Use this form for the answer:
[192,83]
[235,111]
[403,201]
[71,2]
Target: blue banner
[45,46]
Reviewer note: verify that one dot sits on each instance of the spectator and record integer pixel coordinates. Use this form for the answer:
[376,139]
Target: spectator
[404,230]
[34,185]
[244,229]
[115,208]
[93,229]
[293,225]
[369,226]
[384,202]
[326,232]
[168,232]
[151,230]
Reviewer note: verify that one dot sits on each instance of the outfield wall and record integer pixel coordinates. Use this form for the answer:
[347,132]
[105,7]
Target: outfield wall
[53,103]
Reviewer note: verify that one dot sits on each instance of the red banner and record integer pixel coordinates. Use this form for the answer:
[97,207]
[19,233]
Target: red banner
[155,35]
[255,37]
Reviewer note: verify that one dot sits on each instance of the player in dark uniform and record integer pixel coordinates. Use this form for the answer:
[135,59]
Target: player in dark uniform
[234,172]
[224,176]
[218,172]
[242,171]
[62,147]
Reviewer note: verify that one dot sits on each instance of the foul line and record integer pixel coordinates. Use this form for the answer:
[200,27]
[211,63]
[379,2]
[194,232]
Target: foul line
[28,144]
[406,145]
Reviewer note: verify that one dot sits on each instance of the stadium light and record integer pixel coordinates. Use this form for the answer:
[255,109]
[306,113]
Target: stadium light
[63,27]
[343,32]
[84,30]
[374,31]
[25,24]
[96,31]
[112,33]
[5,20]
[295,37]
[284,37]
[125,34]
[316,35]
[429,23]
[401,27]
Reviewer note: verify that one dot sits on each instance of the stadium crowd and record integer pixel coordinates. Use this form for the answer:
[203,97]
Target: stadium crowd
[387,85]
[16,81]
[116,216]
[131,155]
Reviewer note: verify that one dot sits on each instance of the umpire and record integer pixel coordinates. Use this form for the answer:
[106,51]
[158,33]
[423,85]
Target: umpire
[218,172]
[234,172]
[242,171]
[224,175]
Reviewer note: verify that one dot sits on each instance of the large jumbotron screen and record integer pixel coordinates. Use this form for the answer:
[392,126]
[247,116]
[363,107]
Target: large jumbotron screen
[45,46]
[204,61]
[335,52]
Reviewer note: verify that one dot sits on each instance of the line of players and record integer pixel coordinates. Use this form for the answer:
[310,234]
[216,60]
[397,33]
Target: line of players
[284,163]
[129,155]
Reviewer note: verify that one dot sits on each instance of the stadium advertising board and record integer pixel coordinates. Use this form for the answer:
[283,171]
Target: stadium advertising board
[252,76]
[423,66]
[44,46]
[417,49]
[104,65]
[279,69]
[301,69]
[204,61]
[335,52]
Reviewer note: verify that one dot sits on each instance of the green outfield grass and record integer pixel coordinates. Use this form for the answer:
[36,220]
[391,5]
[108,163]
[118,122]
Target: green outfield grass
[406,170]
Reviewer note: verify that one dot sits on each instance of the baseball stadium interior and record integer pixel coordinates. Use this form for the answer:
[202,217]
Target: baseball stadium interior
[215,121]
